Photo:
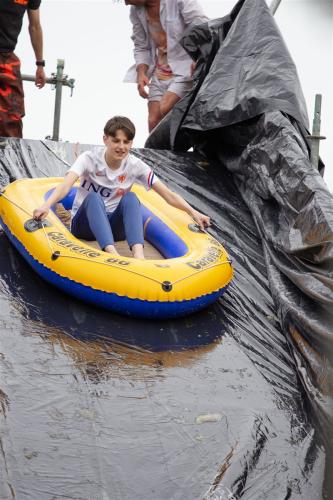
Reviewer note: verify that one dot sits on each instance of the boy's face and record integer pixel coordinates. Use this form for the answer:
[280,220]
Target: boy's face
[117,147]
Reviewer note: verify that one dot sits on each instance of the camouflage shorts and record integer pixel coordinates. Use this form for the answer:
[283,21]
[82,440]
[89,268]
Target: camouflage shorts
[11,96]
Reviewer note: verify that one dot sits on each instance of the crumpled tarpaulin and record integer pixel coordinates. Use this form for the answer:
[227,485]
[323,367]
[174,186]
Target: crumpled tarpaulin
[247,110]
[94,405]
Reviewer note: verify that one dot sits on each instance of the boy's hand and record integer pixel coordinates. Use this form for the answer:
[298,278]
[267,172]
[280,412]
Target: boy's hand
[202,220]
[40,213]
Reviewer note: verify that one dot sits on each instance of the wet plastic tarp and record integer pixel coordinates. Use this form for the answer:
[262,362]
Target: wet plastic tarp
[99,406]
[247,110]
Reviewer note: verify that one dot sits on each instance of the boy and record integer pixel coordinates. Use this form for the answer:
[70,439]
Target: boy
[104,208]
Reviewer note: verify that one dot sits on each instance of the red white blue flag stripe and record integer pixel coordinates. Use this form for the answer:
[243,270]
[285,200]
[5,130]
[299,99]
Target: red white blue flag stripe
[150,178]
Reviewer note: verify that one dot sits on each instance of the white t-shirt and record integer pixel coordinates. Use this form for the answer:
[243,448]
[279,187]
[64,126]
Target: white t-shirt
[96,176]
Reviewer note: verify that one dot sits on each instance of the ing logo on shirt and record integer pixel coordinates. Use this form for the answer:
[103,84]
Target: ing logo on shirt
[121,178]
[104,191]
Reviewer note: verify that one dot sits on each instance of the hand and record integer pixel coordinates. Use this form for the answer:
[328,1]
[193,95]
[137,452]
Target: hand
[202,220]
[143,81]
[40,78]
[193,66]
[40,213]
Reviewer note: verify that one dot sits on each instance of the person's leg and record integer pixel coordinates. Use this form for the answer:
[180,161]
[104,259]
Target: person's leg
[126,221]
[154,114]
[177,88]
[11,96]
[91,222]
[167,103]
[156,91]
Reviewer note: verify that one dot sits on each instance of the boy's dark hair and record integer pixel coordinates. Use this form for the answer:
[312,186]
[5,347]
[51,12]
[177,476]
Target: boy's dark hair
[120,123]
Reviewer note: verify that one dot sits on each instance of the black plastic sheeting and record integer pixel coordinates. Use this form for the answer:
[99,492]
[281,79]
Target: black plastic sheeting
[247,111]
[95,405]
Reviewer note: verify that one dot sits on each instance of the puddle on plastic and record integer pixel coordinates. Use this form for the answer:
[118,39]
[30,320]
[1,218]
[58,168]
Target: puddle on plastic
[96,406]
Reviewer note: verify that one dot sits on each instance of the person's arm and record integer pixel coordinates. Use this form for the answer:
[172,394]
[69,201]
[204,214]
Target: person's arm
[36,37]
[60,192]
[142,79]
[178,202]
[142,52]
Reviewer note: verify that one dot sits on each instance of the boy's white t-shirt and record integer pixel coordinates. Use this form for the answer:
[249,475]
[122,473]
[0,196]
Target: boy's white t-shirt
[96,176]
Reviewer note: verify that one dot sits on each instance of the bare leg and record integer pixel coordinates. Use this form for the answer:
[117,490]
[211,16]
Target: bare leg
[167,103]
[154,114]
[137,251]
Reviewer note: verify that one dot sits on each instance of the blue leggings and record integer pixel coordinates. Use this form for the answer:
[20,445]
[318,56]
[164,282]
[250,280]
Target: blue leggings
[92,222]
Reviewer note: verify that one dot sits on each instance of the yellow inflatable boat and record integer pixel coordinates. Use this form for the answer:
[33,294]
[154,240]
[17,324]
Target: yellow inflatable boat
[191,271]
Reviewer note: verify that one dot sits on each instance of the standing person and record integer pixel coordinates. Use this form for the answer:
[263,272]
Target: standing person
[11,88]
[161,63]
[104,207]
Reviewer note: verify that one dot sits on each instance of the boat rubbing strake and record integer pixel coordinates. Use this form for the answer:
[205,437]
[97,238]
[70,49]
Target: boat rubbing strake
[194,272]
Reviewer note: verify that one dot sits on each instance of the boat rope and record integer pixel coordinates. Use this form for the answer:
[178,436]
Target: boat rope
[31,216]
[228,261]
[166,285]
[108,264]
[208,233]
[15,204]
[141,274]
[49,242]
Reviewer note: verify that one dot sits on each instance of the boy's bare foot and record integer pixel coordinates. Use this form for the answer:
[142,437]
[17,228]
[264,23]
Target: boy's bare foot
[111,249]
[137,251]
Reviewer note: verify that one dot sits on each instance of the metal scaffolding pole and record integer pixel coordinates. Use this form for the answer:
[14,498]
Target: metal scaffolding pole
[57,105]
[274,6]
[316,137]
[58,80]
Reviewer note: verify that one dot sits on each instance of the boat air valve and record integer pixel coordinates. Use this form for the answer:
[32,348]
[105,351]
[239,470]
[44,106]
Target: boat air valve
[167,286]
[55,255]
[33,225]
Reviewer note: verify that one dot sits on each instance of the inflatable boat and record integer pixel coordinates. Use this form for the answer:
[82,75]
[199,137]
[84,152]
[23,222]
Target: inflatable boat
[188,270]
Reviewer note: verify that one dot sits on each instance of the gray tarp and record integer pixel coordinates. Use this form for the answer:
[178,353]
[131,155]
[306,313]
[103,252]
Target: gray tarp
[98,406]
[247,110]
[94,405]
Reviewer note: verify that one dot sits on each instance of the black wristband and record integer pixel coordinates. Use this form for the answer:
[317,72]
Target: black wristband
[40,63]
